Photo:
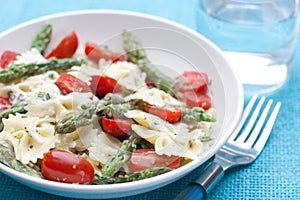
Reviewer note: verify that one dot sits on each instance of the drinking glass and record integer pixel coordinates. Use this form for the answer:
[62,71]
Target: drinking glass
[258,38]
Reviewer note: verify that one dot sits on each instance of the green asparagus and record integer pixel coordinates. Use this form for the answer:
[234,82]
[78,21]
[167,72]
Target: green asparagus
[7,157]
[189,114]
[16,108]
[114,110]
[83,117]
[42,39]
[115,162]
[17,71]
[139,175]
[196,114]
[73,120]
[137,55]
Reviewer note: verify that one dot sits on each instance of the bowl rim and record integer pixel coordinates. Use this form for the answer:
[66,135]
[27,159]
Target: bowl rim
[122,187]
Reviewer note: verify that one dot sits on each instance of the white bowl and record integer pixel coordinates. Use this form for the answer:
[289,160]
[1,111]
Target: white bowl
[169,44]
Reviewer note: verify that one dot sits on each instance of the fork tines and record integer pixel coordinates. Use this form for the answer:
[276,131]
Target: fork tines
[255,129]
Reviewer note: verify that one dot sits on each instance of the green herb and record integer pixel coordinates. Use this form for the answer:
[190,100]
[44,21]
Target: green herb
[43,96]
[156,123]
[11,95]
[51,75]
[48,96]
[205,138]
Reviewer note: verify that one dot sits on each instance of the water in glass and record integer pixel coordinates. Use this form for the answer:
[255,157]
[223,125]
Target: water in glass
[258,38]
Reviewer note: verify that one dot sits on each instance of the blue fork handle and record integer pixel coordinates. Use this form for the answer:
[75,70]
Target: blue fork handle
[193,191]
[203,184]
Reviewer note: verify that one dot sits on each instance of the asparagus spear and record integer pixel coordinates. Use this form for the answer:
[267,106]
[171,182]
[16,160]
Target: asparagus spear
[114,164]
[190,114]
[137,55]
[16,108]
[118,110]
[83,117]
[8,158]
[42,39]
[75,119]
[17,71]
[139,175]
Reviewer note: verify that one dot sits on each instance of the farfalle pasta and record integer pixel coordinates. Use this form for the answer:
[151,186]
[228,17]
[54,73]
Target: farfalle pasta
[30,138]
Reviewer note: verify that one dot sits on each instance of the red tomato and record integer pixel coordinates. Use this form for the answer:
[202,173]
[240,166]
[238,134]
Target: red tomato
[193,81]
[170,115]
[116,127]
[66,48]
[4,103]
[67,167]
[7,57]
[94,53]
[193,99]
[101,85]
[68,83]
[147,158]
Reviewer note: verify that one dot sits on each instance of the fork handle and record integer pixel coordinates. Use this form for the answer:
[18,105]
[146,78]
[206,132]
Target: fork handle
[199,188]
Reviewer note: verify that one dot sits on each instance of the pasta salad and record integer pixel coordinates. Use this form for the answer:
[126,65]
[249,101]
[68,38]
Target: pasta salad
[94,116]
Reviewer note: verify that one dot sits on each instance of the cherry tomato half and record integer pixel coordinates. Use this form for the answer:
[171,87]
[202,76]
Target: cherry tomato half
[193,99]
[170,115]
[7,57]
[193,81]
[64,166]
[4,103]
[68,83]
[147,158]
[94,53]
[101,85]
[66,48]
[116,127]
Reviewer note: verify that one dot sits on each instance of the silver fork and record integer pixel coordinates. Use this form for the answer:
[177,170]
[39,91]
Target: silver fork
[242,148]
